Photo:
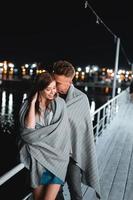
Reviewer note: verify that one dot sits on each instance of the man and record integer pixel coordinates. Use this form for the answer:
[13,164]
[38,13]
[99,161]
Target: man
[83,163]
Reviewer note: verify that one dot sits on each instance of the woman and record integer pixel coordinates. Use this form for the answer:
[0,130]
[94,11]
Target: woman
[45,138]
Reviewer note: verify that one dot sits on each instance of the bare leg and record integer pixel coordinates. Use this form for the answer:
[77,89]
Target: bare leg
[51,192]
[47,192]
[38,192]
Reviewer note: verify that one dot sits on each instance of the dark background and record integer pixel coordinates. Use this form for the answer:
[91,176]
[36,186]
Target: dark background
[45,32]
[50,30]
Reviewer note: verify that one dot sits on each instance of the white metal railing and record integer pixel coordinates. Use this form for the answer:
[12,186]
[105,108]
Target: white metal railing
[11,173]
[105,114]
[27,196]
[101,118]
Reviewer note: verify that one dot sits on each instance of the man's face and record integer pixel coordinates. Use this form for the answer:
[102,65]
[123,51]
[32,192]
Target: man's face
[62,83]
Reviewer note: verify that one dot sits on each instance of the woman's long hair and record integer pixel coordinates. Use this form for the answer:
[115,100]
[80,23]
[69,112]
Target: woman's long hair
[40,83]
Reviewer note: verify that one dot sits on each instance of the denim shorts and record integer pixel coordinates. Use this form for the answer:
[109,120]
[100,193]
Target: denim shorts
[49,178]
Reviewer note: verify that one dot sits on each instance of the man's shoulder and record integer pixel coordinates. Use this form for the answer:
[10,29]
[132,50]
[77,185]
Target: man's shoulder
[84,98]
[79,92]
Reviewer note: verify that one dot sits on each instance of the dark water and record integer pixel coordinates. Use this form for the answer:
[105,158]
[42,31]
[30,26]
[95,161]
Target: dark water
[10,102]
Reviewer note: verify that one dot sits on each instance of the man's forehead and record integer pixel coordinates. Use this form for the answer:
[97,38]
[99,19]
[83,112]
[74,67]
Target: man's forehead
[62,78]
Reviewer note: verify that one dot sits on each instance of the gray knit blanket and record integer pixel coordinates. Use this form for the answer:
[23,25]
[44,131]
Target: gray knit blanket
[82,137]
[47,147]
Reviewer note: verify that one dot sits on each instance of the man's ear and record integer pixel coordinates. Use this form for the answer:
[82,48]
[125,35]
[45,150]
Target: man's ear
[71,80]
[73,76]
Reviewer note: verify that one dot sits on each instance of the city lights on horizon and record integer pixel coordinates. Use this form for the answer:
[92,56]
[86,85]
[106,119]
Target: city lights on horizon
[106,74]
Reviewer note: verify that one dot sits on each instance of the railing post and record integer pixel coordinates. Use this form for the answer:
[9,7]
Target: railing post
[97,129]
[116,66]
[108,113]
[103,123]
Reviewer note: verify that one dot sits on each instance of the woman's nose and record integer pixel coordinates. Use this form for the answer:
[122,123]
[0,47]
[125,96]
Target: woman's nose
[52,91]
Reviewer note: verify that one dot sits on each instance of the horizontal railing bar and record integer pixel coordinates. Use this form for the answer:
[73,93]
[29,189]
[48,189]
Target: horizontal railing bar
[11,173]
[27,196]
[106,104]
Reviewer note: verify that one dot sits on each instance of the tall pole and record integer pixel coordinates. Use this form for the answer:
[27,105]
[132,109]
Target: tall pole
[116,66]
[132,68]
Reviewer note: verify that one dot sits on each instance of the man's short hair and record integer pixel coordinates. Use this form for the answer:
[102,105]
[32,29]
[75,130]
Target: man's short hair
[63,67]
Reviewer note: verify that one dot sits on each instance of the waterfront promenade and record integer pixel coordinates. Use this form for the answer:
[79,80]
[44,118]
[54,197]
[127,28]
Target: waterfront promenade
[114,147]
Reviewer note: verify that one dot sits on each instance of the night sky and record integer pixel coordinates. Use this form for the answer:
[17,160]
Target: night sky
[52,30]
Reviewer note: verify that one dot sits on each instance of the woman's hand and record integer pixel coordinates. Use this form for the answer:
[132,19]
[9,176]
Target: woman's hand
[34,98]
[30,119]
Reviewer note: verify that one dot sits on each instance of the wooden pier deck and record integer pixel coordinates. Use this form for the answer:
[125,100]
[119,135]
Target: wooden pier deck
[115,159]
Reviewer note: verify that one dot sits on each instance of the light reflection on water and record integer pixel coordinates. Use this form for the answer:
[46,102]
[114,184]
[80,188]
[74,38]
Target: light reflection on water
[3,106]
[10,102]
[9,110]
[6,116]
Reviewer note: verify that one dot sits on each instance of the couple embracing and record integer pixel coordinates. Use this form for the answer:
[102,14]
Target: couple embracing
[56,134]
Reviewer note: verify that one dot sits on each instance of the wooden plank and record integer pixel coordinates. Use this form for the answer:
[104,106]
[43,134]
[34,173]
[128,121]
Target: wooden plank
[120,179]
[110,170]
[107,148]
[89,194]
[107,140]
[84,189]
[126,124]
[66,192]
[129,189]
